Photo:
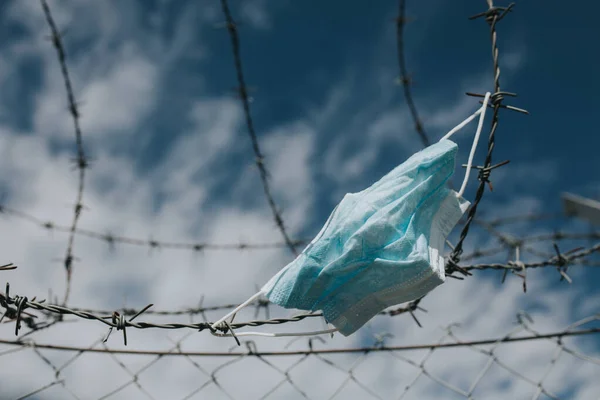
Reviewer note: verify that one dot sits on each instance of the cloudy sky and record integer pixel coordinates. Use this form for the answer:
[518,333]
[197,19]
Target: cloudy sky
[172,161]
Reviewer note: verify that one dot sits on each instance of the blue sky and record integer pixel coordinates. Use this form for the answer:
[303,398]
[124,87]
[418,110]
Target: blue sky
[172,159]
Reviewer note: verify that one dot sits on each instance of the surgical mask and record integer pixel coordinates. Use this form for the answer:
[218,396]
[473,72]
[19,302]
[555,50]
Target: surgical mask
[379,247]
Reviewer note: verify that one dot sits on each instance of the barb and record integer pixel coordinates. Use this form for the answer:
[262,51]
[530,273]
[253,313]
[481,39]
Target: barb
[7,267]
[81,161]
[243,93]
[117,321]
[404,78]
[492,16]
[15,308]
[201,310]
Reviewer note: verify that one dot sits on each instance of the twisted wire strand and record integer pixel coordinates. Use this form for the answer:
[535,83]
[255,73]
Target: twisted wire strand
[554,261]
[116,239]
[533,337]
[243,93]
[81,161]
[404,77]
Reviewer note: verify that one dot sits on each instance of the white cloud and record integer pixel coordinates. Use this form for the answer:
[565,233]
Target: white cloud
[255,12]
[290,150]
[118,100]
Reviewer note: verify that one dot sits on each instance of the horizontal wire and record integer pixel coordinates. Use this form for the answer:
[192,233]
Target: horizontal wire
[560,334]
[201,246]
[6,301]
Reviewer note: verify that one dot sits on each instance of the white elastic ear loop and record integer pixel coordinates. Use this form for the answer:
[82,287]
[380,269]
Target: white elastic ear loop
[236,310]
[281,334]
[461,125]
[474,146]
[245,304]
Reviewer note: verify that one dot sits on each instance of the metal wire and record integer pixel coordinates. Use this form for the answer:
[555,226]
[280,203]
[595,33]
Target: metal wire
[351,369]
[536,336]
[117,320]
[112,240]
[243,93]
[81,162]
[404,77]
[492,16]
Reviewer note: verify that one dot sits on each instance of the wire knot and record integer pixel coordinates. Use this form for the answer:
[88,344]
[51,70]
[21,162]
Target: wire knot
[224,327]
[452,266]
[494,13]
[562,262]
[120,323]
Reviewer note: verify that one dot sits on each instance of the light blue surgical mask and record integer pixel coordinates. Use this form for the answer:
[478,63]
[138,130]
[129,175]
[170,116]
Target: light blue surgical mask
[379,247]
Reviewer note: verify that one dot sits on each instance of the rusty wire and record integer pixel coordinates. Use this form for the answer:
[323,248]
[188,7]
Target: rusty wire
[81,162]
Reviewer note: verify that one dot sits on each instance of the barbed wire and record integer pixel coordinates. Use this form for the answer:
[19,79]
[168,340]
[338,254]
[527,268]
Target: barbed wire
[200,246]
[405,79]
[492,16]
[243,94]
[117,320]
[111,239]
[15,307]
[81,162]
[560,261]
[507,242]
